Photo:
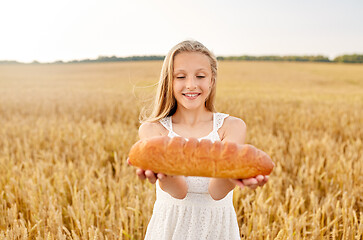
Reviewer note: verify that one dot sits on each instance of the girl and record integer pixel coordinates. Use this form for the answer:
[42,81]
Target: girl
[192,207]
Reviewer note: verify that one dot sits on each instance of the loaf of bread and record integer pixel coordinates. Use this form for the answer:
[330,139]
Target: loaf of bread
[178,156]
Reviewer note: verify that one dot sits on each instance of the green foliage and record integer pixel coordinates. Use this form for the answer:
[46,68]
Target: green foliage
[120,59]
[318,58]
[9,62]
[355,58]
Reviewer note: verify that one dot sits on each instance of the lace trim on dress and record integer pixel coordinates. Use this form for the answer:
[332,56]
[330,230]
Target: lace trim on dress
[166,123]
[219,119]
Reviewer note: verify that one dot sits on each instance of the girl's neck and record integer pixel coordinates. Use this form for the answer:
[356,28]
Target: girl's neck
[192,117]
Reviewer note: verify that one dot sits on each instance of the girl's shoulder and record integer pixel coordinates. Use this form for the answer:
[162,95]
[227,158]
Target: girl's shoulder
[151,129]
[232,126]
[232,122]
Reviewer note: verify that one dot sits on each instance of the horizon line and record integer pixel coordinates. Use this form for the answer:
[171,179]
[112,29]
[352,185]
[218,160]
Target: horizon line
[163,56]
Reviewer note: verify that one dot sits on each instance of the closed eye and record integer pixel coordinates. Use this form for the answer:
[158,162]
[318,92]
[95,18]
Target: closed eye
[180,77]
[200,76]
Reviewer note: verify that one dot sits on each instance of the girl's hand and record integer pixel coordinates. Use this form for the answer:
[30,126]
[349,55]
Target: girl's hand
[252,183]
[150,175]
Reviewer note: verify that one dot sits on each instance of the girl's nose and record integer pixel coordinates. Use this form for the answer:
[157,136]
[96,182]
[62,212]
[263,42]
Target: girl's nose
[191,83]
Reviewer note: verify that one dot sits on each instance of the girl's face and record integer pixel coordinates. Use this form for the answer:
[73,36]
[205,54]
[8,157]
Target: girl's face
[192,79]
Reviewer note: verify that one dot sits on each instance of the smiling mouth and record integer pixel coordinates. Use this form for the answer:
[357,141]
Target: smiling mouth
[191,95]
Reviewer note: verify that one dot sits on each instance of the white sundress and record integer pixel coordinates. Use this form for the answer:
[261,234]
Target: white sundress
[198,215]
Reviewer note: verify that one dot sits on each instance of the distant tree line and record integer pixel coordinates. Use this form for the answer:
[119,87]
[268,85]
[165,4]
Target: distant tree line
[355,58]
[318,58]
[117,59]
[9,62]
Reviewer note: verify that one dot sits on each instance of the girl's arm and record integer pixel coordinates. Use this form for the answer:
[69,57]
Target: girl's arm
[176,186]
[220,187]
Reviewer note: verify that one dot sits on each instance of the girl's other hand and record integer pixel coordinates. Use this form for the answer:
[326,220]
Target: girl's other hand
[150,175]
[252,183]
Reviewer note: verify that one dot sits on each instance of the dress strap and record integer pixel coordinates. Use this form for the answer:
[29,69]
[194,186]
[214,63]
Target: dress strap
[218,120]
[166,122]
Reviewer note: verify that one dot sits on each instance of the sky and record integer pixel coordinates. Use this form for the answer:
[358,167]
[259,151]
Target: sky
[54,30]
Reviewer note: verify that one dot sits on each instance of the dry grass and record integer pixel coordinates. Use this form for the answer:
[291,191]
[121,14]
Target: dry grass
[66,131]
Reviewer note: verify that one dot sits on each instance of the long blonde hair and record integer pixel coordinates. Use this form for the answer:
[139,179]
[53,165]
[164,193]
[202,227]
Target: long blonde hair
[165,103]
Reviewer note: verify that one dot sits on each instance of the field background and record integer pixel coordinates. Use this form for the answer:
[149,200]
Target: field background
[65,132]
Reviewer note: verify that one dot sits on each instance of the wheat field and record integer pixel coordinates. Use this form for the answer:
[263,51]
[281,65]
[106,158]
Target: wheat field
[65,132]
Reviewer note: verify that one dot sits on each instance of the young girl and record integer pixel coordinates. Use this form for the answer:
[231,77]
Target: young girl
[192,207]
